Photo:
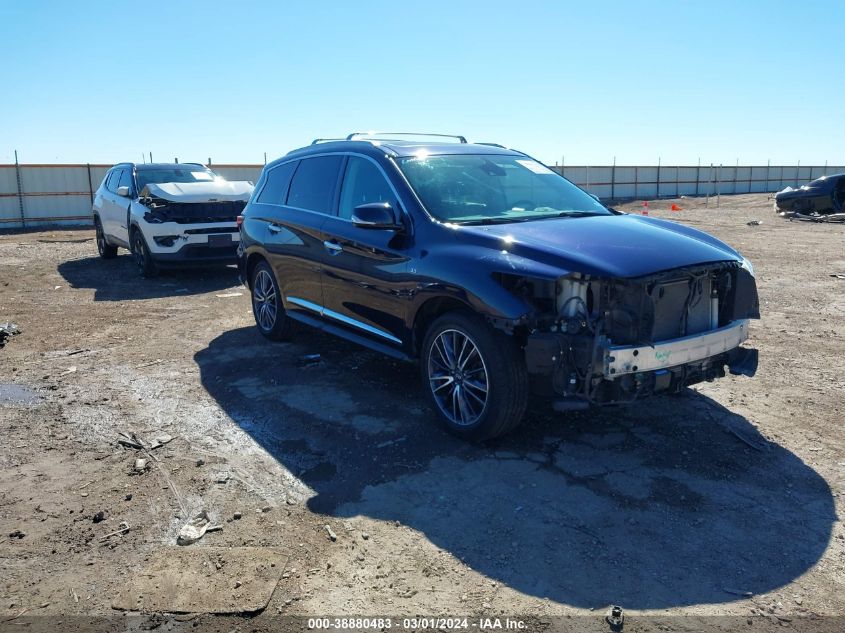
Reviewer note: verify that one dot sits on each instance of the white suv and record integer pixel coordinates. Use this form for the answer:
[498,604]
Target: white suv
[169,214]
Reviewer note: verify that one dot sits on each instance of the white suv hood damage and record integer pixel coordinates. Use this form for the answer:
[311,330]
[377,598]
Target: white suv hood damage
[204,191]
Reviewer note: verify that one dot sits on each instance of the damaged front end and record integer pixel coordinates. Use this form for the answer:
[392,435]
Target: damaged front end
[609,341]
[204,212]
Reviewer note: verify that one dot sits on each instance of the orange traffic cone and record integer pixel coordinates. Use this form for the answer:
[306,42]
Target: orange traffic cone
[675,207]
[645,207]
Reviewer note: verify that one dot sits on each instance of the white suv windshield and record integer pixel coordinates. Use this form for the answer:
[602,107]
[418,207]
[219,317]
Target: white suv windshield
[190,173]
[483,189]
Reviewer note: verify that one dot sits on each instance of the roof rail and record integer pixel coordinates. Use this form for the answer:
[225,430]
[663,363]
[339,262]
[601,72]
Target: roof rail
[492,145]
[325,140]
[356,135]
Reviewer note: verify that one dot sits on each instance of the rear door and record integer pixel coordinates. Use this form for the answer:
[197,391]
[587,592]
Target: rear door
[365,286]
[294,204]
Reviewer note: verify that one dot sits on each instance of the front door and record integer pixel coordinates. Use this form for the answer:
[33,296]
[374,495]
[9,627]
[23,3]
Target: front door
[365,286]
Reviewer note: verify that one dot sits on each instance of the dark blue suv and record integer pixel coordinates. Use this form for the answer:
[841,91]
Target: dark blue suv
[502,278]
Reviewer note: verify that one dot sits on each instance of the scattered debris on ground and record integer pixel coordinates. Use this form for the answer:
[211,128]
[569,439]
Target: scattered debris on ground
[7,330]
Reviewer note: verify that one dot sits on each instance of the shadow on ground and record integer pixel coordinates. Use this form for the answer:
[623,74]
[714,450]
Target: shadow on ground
[118,279]
[651,506]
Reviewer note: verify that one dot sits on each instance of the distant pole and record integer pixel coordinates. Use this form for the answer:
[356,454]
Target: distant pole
[176,160]
[151,157]
[798,173]
[709,185]
[209,161]
[265,158]
[768,168]
[143,158]
[20,189]
[825,168]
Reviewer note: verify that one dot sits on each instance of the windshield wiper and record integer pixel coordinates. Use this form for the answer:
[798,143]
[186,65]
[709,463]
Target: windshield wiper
[577,214]
[486,221]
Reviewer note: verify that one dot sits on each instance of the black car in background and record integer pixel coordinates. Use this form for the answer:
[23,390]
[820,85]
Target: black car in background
[825,195]
[498,275]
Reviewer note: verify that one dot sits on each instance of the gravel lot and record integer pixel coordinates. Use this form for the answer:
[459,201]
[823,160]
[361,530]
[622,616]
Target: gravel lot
[723,501]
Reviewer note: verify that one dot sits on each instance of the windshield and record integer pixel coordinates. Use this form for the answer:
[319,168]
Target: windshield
[485,189]
[188,173]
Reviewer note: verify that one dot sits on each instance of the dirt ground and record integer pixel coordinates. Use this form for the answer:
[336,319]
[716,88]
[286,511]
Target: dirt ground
[723,501]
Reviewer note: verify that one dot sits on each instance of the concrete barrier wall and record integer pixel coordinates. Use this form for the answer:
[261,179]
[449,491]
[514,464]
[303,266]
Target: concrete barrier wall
[61,195]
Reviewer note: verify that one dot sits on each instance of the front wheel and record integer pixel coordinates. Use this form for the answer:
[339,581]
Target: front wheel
[474,376]
[143,260]
[106,250]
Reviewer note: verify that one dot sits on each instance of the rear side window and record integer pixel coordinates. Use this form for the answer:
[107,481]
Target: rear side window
[112,179]
[314,183]
[275,188]
[125,179]
[362,183]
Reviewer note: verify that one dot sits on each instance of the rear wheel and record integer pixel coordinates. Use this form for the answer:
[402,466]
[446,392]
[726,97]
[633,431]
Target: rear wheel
[267,308]
[143,260]
[474,376]
[106,250]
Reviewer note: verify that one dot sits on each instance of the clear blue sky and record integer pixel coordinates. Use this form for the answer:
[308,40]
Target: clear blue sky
[105,81]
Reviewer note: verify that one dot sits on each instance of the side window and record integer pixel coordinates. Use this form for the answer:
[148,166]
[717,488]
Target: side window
[362,183]
[275,188]
[113,178]
[313,184]
[125,180]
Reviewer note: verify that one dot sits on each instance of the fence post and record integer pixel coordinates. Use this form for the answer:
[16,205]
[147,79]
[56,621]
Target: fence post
[657,193]
[709,185]
[90,184]
[797,174]
[697,175]
[636,180]
[20,189]
[613,180]
[736,175]
[768,169]
[719,187]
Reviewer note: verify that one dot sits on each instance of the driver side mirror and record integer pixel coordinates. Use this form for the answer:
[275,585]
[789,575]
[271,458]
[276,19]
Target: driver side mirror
[123,192]
[376,215]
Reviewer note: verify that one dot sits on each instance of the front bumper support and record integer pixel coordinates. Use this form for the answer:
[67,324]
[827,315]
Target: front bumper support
[630,359]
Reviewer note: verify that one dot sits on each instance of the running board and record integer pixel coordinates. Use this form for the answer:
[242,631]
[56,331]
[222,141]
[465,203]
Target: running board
[349,336]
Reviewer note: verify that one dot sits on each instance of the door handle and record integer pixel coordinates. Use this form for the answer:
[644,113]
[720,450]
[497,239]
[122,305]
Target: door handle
[333,247]
[274,228]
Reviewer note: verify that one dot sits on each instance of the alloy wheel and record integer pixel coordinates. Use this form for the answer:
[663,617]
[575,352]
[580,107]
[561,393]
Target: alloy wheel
[457,376]
[264,300]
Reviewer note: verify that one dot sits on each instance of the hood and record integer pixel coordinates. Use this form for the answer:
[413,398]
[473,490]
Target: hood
[202,191]
[607,246]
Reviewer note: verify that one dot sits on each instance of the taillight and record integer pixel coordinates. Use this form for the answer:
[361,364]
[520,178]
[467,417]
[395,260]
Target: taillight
[240,220]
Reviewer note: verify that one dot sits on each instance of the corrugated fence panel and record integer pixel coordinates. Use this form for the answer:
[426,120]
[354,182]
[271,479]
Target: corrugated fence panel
[239,172]
[61,194]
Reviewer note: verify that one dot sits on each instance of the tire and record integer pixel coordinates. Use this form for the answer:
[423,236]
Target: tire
[143,260]
[454,383]
[106,250]
[270,316]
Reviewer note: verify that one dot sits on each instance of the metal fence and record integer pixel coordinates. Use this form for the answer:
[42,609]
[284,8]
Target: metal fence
[44,195]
